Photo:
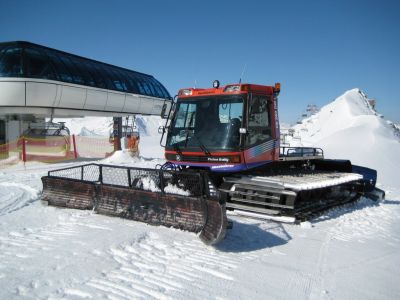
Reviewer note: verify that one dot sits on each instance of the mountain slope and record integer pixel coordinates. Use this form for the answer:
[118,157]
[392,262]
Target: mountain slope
[349,128]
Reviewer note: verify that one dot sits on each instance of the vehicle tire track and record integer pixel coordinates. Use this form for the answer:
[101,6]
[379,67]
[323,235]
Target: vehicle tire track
[15,196]
[318,290]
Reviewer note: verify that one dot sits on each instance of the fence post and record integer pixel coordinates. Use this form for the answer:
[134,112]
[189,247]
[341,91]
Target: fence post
[74,143]
[129,178]
[23,150]
[101,174]
[162,184]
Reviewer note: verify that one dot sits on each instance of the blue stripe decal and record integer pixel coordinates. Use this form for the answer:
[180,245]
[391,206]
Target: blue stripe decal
[262,148]
[214,167]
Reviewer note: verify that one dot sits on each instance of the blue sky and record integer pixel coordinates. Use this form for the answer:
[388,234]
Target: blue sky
[316,49]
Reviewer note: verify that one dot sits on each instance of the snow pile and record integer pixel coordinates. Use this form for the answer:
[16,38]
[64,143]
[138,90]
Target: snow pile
[173,189]
[349,128]
[148,184]
[125,158]
[122,157]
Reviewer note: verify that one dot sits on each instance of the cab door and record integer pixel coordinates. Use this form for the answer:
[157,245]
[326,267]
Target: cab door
[259,141]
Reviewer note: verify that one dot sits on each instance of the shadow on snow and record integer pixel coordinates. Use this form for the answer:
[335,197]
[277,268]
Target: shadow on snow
[251,237]
[246,237]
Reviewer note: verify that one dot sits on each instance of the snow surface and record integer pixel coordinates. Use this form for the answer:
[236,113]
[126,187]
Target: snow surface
[348,253]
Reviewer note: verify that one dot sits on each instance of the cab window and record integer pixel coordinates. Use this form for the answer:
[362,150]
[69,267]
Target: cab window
[259,121]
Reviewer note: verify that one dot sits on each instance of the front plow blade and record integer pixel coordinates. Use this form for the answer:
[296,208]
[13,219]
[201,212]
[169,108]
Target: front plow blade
[167,198]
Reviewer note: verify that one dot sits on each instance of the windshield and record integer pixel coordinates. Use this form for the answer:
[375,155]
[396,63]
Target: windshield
[206,124]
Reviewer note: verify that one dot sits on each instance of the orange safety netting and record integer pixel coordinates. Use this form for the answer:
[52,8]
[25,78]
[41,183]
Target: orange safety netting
[49,149]
[54,149]
[93,147]
[9,153]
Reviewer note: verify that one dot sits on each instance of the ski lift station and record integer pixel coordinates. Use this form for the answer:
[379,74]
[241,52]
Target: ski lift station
[38,82]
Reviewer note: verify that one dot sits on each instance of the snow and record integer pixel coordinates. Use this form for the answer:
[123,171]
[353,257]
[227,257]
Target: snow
[148,184]
[309,181]
[88,126]
[348,128]
[97,126]
[348,253]
[173,189]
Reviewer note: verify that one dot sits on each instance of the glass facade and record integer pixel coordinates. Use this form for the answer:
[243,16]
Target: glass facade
[23,59]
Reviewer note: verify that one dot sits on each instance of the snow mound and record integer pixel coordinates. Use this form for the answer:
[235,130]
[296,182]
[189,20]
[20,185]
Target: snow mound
[147,184]
[122,157]
[173,189]
[125,158]
[349,128]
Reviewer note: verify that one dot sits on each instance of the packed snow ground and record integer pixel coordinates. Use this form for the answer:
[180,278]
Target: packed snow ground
[53,253]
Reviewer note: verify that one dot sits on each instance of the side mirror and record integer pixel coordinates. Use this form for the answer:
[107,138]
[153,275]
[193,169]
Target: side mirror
[165,110]
[161,129]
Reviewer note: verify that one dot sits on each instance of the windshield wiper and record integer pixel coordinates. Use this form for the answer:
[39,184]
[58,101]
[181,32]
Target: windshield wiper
[202,147]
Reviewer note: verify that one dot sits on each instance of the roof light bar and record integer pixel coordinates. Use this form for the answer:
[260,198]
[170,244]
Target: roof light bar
[186,92]
[232,88]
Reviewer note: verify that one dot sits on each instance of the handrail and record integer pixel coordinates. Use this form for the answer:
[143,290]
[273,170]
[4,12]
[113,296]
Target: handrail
[301,152]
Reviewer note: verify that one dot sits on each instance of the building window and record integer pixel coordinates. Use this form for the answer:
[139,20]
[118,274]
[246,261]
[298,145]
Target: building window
[76,76]
[10,62]
[38,65]
[34,61]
